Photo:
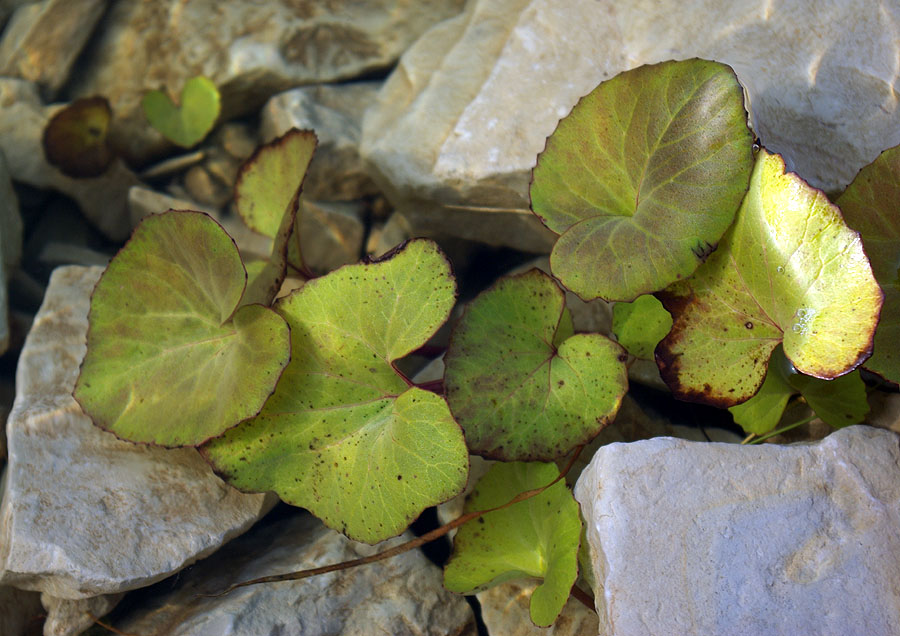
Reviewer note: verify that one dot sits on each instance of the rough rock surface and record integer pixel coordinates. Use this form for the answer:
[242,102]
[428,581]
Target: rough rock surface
[84,513]
[713,539]
[103,200]
[458,124]
[335,113]
[401,596]
[19,611]
[505,610]
[42,40]
[251,50]
[66,617]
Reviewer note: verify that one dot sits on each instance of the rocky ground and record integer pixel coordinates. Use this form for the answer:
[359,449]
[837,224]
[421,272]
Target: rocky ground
[429,115]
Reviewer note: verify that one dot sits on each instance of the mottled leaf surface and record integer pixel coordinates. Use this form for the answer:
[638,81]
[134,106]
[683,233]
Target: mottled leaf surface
[189,122]
[789,270]
[75,139]
[344,435]
[169,361]
[871,206]
[538,537]
[648,170]
[269,179]
[839,402]
[640,325]
[519,391]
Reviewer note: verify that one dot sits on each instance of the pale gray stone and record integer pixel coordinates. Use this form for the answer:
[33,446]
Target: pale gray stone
[143,201]
[84,513]
[66,617]
[459,123]
[505,609]
[400,596]
[251,51]
[42,40]
[19,611]
[102,200]
[720,539]
[335,114]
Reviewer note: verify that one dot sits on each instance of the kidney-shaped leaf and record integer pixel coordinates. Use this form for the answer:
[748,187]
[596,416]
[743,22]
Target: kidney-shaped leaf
[788,270]
[188,123]
[871,206]
[344,435]
[517,390]
[640,325]
[647,170]
[167,363]
[538,537]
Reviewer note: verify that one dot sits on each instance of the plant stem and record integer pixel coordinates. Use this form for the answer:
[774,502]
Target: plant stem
[404,547]
[805,420]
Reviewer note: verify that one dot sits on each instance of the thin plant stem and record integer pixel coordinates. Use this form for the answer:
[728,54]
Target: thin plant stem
[787,428]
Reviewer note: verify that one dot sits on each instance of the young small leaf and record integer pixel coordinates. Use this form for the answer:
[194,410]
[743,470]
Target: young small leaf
[787,270]
[869,205]
[761,413]
[344,435]
[169,361]
[648,170]
[519,393]
[269,179]
[640,325]
[538,537]
[187,124]
[75,138]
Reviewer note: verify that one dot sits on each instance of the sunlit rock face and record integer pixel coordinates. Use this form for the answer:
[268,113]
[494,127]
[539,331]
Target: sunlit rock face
[711,538]
[459,123]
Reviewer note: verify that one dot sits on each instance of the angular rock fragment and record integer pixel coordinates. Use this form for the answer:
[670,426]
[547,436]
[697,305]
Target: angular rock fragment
[402,596]
[84,513]
[711,539]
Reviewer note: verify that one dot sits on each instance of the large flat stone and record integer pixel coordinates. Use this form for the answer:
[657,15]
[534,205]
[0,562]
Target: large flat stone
[719,539]
[402,596]
[459,123]
[84,513]
[250,50]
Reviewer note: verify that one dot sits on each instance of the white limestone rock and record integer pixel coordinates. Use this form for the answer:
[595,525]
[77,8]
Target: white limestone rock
[402,596]
[66,617]
[250,50]
[459,123]
[102,200]
[712,539]
[84,513]
[42,40]
[335,113]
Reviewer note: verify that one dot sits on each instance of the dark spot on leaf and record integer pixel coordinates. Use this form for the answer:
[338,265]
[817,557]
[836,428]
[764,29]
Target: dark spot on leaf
[748,325]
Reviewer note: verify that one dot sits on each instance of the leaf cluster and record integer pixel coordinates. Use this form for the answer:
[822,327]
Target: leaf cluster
[653,184]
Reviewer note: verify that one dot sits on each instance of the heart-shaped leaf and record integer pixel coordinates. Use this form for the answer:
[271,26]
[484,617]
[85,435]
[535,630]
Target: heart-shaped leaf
[167,363]
[538,537]
[870,205]
[788,270]
[839,402]
[75,138]
[187,124]
[518,391]
[344,435]
[648,170]
[640,325]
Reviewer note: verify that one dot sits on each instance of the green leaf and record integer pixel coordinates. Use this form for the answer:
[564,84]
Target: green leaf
[270,178]
[788,271]
[640,325]
[839,402]
[344,435]
[519,393]
[869,205]
[167,363]
[648,170]
[188,124]
[538,537]
[761,413]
